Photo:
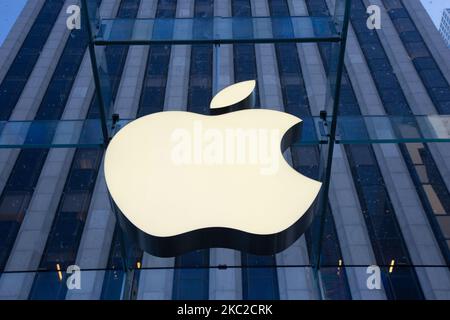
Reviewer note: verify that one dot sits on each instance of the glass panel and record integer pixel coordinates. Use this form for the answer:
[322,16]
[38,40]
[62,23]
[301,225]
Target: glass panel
[54,281]
[191,276]
[385,129]
[216,30]
[351,130]
[51,133]
[259,277]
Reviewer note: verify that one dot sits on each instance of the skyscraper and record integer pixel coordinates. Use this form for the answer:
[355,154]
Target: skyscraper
[444,28]
[389,203]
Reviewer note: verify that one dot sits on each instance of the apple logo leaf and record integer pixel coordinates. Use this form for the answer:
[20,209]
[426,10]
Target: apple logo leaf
[181,181]
[235,97]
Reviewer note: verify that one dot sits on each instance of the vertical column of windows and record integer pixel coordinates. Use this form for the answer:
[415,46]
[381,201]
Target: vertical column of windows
[20,185]
[382,225]
[27,57]
[429,183]
[67,228]
[427,179]
[434,81]
[244,55]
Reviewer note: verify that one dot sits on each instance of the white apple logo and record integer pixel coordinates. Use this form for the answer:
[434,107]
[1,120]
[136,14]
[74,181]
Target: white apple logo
[181,181]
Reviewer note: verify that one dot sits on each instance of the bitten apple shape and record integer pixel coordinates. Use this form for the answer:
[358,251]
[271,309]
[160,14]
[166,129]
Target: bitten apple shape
[178,183]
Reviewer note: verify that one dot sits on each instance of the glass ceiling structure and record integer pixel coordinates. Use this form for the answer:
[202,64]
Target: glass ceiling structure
[324,131]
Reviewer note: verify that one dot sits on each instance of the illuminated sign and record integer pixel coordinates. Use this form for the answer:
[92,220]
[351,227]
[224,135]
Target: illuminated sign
[182,181]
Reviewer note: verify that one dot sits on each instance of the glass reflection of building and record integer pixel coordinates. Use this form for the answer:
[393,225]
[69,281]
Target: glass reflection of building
[389,204]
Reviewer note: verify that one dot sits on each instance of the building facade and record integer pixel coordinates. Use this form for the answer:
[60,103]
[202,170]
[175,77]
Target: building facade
[389,204]
[444,28]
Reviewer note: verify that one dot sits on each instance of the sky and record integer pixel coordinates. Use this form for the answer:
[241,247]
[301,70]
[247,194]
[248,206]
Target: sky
[435,9]
[10,10]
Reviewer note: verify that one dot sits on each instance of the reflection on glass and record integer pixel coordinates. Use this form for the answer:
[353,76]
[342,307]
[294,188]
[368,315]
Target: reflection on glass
[259,277]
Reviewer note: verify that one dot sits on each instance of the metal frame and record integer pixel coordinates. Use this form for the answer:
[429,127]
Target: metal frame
[333,127]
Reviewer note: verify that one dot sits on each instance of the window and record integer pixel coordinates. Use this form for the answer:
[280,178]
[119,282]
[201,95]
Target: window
[259,277]
[191,276]
[23,64]
[419,54]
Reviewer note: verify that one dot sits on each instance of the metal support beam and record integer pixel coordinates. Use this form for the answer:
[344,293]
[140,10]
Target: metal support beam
[103,120]
[323,205]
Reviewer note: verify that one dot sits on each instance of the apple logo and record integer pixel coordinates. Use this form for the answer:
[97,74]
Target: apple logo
[182,181]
